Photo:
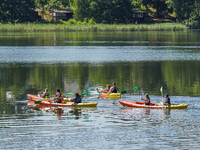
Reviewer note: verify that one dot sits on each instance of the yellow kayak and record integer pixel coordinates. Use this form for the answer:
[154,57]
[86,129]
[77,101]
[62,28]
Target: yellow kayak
[110,96]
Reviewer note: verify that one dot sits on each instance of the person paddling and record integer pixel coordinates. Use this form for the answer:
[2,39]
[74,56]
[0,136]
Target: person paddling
[45,94]
[106,90]
[167,100]
[113,89]
[77,98]
[59,96]
[147,99]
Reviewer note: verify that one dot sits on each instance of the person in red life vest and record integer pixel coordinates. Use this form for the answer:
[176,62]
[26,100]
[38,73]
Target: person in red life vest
[59,96]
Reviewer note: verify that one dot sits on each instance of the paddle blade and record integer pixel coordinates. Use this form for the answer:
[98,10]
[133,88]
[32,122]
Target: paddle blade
[161,89]
[85,93]
[135,88]
[37,109]
[91,89]
[55,98]
[100,92]
[69,93]
[123,92]
[120,90]
[37,102]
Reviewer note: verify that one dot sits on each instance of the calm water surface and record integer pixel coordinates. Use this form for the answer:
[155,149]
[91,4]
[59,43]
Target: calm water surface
[79,61]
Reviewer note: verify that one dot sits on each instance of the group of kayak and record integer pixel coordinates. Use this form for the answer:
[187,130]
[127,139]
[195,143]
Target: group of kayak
[59,96]
[108,93]
[108,90]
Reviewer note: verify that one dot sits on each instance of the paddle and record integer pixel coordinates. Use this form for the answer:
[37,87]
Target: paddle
[70,93]
[123,92]
[84,93]
[161,90]
[91,90]
[135,88]
[37,102]
[37,109]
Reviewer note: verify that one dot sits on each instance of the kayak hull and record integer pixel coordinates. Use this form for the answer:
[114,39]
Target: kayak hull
[110,96]
[49,102]
[152,105]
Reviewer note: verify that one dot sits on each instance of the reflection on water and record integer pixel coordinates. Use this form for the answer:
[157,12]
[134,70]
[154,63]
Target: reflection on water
[97,54]
[176,77]
[178,38]
[60,112]
[80,61]
[108,124]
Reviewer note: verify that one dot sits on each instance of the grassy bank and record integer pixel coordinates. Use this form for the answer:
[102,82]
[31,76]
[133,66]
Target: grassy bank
[98,27]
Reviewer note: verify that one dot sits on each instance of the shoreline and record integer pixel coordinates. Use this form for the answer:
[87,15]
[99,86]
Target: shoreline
[31,27]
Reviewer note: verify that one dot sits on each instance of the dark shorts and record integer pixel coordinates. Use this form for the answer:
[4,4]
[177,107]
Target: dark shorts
[147,103]
[59,101]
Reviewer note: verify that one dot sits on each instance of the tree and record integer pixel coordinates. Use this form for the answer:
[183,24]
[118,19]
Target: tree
[183,9]
[16,10]
[81,9]
[159,5]
[108,11]
[46,5]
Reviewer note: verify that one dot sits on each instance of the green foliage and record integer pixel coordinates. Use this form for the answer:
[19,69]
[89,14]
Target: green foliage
[137,3]
[109,11]
[79,26]
[159,5]
[91,21]
[16,10]
[192,24]
[71,21]
[98,11]
[75,22]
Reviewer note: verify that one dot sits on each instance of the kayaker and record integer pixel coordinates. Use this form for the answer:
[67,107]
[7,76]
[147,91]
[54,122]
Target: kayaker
[40,94]
[77,98]
[106,90]
[113,89]
[45,94]
[167,100]
[59,96]
[147,99]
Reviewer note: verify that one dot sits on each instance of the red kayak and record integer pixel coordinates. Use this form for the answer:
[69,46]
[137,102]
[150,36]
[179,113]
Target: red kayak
[152,105]
[49,102]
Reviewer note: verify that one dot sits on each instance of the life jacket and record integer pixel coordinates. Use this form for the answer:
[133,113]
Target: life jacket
[114,90]
[78,100]
[59,96]
[46,95]
[147,103]
[167,101]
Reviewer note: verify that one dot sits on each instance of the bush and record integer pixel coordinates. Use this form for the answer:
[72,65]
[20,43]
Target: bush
[193,24]
[71,21]
[91,21]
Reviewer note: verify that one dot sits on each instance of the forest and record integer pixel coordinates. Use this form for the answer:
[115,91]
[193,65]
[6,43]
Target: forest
[106,11]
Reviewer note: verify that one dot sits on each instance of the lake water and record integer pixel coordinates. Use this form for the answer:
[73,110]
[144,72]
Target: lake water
[79,61]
